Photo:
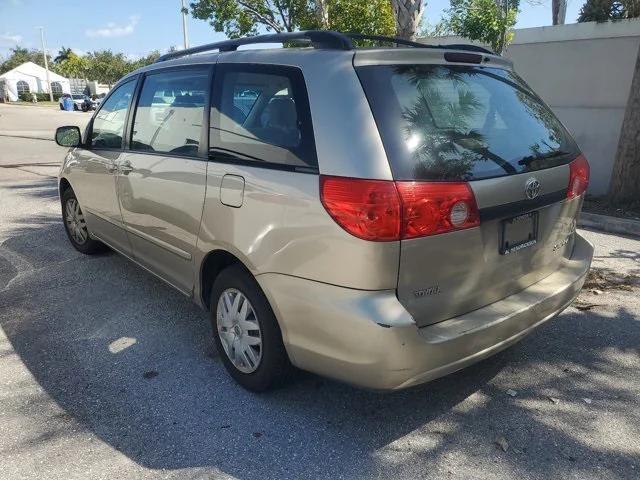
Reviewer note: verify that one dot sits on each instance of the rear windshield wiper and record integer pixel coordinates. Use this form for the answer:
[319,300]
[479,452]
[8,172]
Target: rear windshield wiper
[526,161]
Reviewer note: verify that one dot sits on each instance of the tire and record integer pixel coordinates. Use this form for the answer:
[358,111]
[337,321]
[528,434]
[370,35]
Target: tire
[273,367]
[75,226]
[61,107]
[75,107]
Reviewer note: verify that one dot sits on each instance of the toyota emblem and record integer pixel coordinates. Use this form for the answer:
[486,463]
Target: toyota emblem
[532,188]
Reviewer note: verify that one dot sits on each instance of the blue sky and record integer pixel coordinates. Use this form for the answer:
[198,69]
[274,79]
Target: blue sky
[135,27]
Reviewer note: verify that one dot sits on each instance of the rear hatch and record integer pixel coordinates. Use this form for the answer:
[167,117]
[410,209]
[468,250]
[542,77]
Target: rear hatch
[480,127]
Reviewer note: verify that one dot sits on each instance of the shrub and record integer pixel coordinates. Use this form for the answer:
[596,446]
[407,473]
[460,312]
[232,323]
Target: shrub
[42,97]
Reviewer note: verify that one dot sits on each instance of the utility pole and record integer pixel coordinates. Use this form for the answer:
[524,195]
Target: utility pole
[184,25]
[46,63]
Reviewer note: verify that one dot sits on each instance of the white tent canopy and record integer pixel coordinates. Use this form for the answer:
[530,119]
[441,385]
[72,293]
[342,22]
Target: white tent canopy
[32,78]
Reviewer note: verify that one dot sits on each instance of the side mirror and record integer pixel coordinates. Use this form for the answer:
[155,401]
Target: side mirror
[68,136]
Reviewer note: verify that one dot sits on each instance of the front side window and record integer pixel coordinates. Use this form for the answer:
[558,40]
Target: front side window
[108,125]
[261,114]
[446,122]
[170,111]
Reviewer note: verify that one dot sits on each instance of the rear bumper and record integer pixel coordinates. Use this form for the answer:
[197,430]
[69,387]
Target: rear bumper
[367,338]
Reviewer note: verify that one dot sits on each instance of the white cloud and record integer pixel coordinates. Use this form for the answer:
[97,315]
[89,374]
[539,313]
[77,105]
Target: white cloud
[114,30]
[9,39]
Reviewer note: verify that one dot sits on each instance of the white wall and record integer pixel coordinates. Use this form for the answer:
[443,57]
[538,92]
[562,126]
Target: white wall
[97,88]
[584,72]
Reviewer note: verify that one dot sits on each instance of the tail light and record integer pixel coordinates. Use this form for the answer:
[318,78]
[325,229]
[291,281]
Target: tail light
[429,208]
[381,210]
[368,209]
[578,177]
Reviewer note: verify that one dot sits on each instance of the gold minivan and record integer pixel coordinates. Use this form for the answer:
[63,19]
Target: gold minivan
[381,216]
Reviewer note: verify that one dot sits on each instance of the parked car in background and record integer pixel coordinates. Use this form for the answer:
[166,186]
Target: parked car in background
[99,98]
[78,100]
[89,103]
[380,216]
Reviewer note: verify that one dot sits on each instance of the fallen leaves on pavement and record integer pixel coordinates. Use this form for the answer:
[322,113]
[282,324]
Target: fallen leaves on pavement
[580,305]
[599,280]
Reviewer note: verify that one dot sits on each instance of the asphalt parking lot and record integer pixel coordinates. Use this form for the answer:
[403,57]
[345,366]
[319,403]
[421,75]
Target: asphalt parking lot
[105,372]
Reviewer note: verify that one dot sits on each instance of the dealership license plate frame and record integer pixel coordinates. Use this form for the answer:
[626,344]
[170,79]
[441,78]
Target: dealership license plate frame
[518,233]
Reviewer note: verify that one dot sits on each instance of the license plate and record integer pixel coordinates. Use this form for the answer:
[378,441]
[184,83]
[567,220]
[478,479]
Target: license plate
[518,233]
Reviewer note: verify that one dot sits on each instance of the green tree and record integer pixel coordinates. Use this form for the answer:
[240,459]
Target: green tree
[439,29]
[73,66]
[605,10]
[63,54]
[103,66]
[372,17]
[107,67]
[20,55]
[488,21]
[237,18]
[146,60]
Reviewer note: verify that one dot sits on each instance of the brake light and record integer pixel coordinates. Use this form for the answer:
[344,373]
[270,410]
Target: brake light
[578,177]
[368,209]
[430,208]
[381,210]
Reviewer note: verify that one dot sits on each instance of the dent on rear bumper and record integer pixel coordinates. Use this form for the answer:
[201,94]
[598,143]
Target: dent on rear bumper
[367,338]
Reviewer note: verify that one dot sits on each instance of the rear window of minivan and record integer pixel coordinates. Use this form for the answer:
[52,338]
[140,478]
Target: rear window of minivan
[442,122]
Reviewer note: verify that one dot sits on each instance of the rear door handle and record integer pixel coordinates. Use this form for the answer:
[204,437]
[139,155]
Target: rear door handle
[125,168]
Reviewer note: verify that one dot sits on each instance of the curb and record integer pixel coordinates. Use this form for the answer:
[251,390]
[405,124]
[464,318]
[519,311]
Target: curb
[30,137]
[608,224]
[30,134]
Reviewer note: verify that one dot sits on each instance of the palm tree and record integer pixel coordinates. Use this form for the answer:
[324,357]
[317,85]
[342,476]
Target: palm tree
[625,179]
[322,13]
[63,54]
[558,11]
[408,14]
[452,148]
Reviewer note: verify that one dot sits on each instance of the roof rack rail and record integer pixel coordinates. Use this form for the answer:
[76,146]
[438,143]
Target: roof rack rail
[384,38]
[317,38]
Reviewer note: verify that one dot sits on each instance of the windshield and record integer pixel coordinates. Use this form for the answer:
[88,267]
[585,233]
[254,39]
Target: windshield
[442,122]
[78,97]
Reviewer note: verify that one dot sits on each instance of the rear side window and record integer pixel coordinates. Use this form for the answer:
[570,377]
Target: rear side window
[442,122]
[108,125]
[168,118]
[260,114]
